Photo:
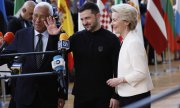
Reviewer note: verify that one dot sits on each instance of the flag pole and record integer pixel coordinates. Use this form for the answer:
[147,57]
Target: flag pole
[155,64]
[169,60]
[163,58]
[170,69]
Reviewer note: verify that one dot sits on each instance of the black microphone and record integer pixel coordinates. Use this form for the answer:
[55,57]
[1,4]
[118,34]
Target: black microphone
[8,38]
[58,64]
[16,66]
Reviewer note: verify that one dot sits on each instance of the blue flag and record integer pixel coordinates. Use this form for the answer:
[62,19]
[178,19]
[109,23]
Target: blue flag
[177,17]
[3,17]
[81,2]
[3,10]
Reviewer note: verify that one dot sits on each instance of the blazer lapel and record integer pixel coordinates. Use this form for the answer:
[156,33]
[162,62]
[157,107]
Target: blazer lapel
[29,47]
[51,46]
[30,38]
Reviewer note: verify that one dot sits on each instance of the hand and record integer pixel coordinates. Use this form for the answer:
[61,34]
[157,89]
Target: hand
[61,103]
[114,103]
[50,24]
[115,81]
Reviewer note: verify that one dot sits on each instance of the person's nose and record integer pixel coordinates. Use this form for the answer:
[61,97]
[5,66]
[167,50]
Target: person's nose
[38,19]
[84,22]
[112,24]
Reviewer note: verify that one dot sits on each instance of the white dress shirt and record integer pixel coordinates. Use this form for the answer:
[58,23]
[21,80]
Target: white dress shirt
[133,66]
[44,39]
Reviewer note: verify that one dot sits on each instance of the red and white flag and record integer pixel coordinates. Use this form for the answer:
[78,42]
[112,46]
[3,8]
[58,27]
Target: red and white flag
[105,17]
[155,29]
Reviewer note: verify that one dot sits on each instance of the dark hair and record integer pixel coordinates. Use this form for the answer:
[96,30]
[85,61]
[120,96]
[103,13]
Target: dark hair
[89,6]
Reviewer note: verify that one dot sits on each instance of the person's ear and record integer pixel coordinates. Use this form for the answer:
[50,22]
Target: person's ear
[126,23]
[24,10]
[98,15]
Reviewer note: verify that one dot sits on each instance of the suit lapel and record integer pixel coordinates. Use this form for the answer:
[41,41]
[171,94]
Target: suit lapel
[51,45]
[30,38]
[30,45]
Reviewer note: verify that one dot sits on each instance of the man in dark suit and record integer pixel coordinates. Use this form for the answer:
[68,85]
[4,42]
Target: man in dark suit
[24,19]
[16,23]
[40,91]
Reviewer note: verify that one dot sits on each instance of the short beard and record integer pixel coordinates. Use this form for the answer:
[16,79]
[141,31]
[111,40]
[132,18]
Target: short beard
[94,26]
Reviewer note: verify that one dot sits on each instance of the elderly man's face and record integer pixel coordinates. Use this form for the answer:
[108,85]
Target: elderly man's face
[39,16]
[28,13]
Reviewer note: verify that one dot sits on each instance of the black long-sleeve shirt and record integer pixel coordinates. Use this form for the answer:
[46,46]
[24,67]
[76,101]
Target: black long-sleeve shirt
[95,60]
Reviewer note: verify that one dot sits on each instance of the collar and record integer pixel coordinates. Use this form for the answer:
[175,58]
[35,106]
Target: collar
[97,31]
[45,33]
[129,34]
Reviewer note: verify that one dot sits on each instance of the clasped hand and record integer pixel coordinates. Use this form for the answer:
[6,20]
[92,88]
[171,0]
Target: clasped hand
[113,82]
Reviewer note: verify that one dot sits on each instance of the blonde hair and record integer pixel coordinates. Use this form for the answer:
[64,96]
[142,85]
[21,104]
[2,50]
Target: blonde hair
[126,12]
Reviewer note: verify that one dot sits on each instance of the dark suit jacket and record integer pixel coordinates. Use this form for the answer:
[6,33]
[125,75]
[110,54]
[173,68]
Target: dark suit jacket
[16,24]
[28,87]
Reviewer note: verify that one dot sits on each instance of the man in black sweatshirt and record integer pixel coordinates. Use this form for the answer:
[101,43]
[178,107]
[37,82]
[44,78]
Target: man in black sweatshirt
[95,51]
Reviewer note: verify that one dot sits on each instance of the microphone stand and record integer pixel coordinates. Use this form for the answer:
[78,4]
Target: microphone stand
[63,51]
[61,80]
[29,53]
[62,73]
[29,75]
[5,71]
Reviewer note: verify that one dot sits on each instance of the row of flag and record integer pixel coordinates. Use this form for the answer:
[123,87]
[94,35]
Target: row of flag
[161,27]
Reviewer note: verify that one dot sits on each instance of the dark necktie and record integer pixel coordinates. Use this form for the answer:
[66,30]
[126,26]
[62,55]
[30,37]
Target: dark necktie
[39,48]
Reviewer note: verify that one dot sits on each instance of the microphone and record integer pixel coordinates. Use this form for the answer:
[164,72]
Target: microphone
[1,38]
[16,66]
[63,43]
[58,64]
[8,38]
